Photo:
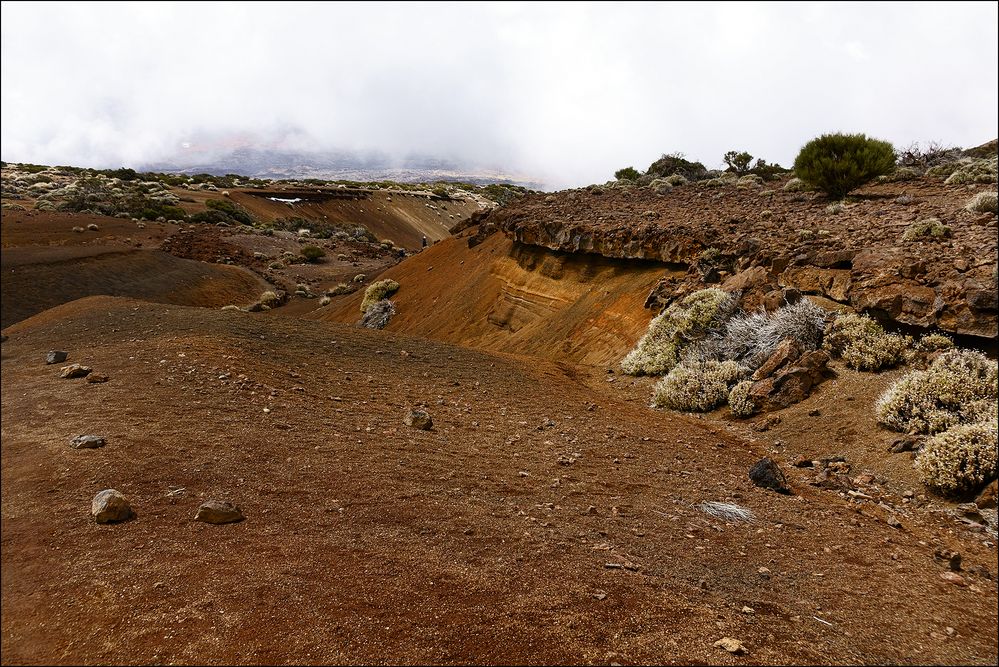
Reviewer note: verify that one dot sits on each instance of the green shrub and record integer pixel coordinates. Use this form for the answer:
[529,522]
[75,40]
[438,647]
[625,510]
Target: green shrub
[678,326]
[738,161]
[231,210]
[929,228]
[960,459]
[676,180]
[676,163]
[628,173]
[983,202]
[312,253]
[960,386]
[697,386]
[839,163]
[863,343]
[378,291]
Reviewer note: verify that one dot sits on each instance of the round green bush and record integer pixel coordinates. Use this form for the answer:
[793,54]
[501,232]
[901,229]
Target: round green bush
[839,163]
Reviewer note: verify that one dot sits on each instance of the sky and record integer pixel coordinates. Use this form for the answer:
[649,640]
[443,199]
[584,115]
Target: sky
[565,93]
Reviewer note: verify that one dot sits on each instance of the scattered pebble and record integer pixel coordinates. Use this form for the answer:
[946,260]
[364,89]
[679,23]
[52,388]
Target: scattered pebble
[218,512]
[56,357]
[74,371]
[87,442]
[420,419]
[731,645]
[110,506]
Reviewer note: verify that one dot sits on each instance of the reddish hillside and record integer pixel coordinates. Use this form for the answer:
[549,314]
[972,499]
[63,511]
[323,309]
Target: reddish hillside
[508,297]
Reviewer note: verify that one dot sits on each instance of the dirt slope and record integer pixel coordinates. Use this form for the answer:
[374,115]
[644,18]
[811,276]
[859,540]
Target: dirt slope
[46,264]
[490,539]
[508,297]
[402,217]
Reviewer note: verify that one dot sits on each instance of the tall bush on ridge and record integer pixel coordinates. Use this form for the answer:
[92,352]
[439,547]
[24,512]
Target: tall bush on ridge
[839,163]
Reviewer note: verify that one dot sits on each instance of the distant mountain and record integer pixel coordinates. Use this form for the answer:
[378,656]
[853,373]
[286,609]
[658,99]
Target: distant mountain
[330,165]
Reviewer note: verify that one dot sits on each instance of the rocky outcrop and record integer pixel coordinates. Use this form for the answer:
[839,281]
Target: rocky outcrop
[761,241]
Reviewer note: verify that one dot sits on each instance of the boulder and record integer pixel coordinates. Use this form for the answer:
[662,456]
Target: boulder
[987,498]
[788,351]
[56,357]
[110,506]
[74,371]
[766,474]
[420,419]
[218,512]
[87,442]
[791,384]
[97,378]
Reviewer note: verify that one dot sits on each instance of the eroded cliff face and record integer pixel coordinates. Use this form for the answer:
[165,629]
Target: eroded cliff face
[505,296]
[761,239]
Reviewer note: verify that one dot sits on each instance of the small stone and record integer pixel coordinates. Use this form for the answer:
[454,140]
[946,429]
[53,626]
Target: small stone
[814,412]
[893,522]
[97,378]
[216,512]
[420,419]
[74,371]
[56,357]
[731,645]
[87,442]
[748,610]
[600,596]
[952,578]
[764,572]
[766,474]
[110,506]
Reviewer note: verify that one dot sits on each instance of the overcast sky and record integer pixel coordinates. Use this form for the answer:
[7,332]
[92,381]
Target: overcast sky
[566,93]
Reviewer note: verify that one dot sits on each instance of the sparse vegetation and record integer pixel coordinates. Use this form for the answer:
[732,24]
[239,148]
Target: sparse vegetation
[973,170]
[960,386]
[739,400]
[839,163]
[676,164]
[959,459]
[928,228]
[750,338]
[863,343]
[628,173]
[378,291]
[697,386]
[796,185]
[678,326]
[936,341]
[312,253]
[983,202]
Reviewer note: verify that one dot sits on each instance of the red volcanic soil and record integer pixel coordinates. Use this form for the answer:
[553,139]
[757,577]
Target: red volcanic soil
[546,518]
[508,297]
[46,264]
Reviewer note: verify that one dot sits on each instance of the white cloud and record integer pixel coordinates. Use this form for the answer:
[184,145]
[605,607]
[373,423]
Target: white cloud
[568,92]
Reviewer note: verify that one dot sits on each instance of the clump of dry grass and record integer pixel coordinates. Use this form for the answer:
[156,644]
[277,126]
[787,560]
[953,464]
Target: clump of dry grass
[983,202]
[726,511]
[378,291]
[683,323]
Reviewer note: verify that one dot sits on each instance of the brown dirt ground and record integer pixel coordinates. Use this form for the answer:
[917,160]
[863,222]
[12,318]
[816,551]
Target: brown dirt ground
[45,264]
[367,542]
